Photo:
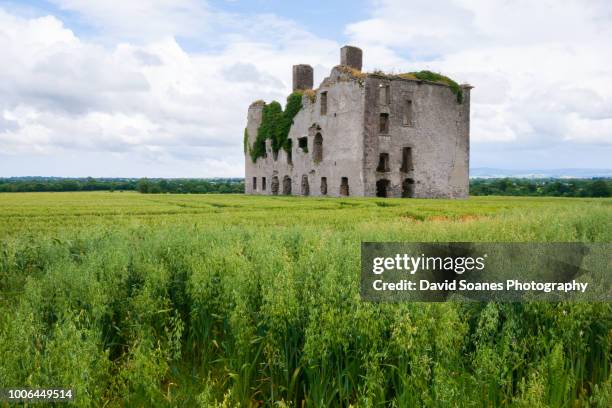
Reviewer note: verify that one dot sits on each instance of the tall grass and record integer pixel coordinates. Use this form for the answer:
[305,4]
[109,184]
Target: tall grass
[252,301]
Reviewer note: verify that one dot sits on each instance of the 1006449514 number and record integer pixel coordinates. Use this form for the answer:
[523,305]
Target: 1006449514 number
[36,394]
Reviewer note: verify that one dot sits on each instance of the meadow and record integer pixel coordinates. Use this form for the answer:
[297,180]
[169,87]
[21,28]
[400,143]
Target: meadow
[234,300]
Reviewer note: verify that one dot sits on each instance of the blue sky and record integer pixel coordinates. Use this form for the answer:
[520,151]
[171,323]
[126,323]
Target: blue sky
[160,88]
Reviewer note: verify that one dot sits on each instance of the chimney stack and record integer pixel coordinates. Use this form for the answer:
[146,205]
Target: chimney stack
[302,77]
[351,56]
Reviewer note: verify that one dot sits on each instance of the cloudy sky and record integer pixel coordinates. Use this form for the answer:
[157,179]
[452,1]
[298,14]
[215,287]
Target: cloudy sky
[160,88]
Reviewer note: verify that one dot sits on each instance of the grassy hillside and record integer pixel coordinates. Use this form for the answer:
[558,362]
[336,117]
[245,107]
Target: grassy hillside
[187,300]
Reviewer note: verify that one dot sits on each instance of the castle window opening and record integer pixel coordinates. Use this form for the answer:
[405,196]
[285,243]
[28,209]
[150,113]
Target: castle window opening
[323,103]
[382,187]
[384,123]
[383,162]
[317,150]
[324,185]
[407,160]
[408,117]
[274,185]
[305,186]
[287,185]
[303,144]
[263,184]
[344,186]
[408,188]
[254,183]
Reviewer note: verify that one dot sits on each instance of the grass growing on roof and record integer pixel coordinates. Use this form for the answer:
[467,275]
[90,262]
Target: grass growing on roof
[435,77]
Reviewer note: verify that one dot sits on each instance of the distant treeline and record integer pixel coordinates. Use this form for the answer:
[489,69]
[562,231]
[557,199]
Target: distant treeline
[150,186]
[194,186]
[597,187]
[550,187]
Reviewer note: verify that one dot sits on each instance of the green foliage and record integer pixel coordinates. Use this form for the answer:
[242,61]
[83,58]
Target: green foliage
[601,188]
[275,125]
[542,187]
[598,187]
[25,184]
[245,141]
[293,106]
[192,186]
[145,185]
[270,119]
[187,300]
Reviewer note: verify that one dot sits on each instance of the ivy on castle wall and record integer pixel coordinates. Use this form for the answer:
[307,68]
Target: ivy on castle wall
[275,125]
[245,141]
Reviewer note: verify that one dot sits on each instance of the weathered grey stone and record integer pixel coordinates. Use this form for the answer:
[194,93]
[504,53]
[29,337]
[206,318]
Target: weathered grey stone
[302,77]
[425,143]
[351,57]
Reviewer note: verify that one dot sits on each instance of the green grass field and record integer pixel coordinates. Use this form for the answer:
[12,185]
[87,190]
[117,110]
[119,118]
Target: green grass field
[233,300]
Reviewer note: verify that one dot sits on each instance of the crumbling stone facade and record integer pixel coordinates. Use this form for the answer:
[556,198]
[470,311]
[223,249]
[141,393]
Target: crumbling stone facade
[367,134]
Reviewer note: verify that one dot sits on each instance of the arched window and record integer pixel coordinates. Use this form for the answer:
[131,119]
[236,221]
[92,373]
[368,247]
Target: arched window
[317,153]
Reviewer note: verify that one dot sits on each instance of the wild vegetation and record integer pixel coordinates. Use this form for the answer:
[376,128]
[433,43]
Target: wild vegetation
[275,125]
[233,300]
[423,75]
[438,78]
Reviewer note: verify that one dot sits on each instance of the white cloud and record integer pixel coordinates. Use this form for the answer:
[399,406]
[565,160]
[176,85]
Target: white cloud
[152,101]
[165,85]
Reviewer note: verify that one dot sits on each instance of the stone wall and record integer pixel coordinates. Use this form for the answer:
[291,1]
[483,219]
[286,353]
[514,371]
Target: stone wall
[418,127]
[341,128]
[437,132]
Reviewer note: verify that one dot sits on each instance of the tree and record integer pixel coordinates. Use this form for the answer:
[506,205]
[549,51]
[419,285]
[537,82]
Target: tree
[599,188]
[143,186]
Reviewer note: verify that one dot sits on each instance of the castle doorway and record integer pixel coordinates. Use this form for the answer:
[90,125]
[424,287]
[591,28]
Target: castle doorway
[305,186]
[382,187]
[408,188]
[287,185]
[344,186]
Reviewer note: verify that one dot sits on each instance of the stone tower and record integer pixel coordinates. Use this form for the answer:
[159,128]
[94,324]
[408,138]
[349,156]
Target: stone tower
[367,134]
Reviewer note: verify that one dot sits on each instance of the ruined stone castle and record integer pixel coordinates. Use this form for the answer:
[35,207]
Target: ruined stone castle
[366,134]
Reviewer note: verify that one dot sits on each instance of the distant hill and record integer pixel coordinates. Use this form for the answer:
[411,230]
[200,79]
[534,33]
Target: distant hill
[488,172]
